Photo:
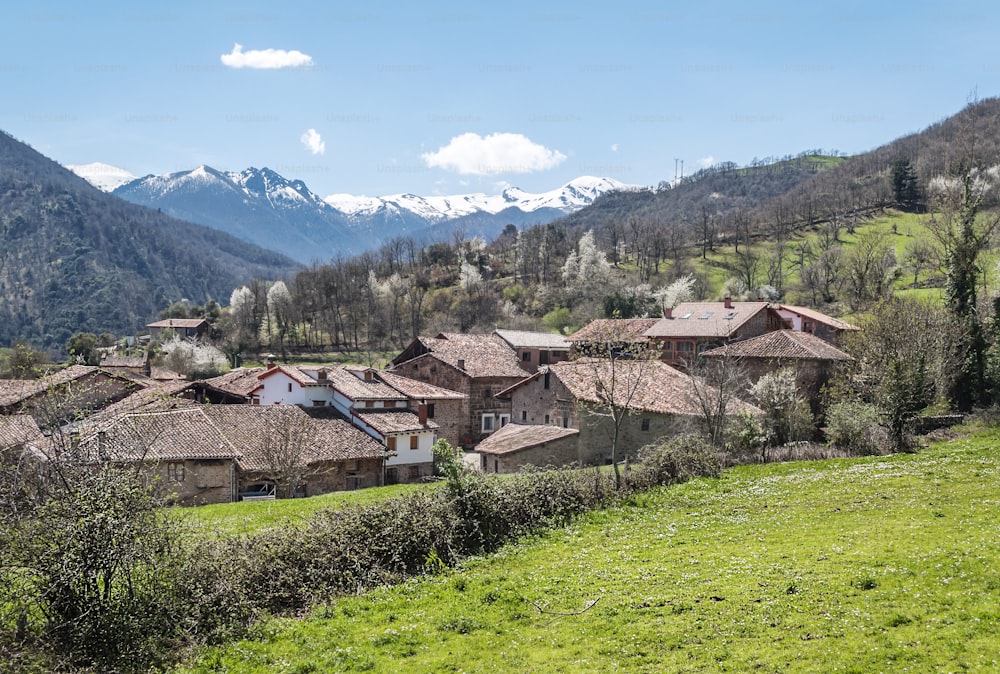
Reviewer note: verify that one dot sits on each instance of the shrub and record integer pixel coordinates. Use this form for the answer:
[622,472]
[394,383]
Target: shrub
[677,460]
[858,428]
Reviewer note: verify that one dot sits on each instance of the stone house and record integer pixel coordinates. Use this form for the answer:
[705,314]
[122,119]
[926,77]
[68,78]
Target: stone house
[70,393]
[804,319]
[657,400]
[814,360]
[693,327]
[189,328]
[534,349]
[478,366]
[212,454]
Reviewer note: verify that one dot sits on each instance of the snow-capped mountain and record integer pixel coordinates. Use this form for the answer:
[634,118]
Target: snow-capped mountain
[257,205]
[104,177]
[572,196]
[263,207]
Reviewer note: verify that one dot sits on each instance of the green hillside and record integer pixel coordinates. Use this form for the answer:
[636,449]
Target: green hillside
[860,565]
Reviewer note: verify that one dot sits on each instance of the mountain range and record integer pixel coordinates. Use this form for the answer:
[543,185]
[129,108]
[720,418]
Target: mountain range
[74,259]
[263,207]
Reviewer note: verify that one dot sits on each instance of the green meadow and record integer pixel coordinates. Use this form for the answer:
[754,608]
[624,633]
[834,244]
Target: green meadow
[878,564]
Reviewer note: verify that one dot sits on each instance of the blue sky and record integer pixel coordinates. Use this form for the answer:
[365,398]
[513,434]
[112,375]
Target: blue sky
[461,97]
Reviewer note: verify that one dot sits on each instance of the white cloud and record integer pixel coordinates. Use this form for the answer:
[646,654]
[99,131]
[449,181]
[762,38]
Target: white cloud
[614,147]
[265,58]
[706,162]
[313,142]
[472,154]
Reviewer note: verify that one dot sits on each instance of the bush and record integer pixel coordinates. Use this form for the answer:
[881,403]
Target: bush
[858,428]
[677,460]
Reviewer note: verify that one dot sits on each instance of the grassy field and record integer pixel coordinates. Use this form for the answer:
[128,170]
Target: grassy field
[863,565]
[252,516]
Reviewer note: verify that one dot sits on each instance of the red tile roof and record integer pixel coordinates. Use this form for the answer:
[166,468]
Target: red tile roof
[516,437]
[614,329]
[394,421]
[480,355]
[241,381]
[178,323]
[706,319]
[13,391]
[356,388]
[641,385]
[418,390]
[522,339]
[818,317]
[781,344]
[18,429]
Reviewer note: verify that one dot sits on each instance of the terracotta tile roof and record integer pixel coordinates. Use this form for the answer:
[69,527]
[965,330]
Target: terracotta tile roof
[516,437]
[481,355]
[117,360]
[521,339]
[394,421]
[641,385]
[241,381]
[788,344]
[418,390]
[245,433]
[356,388]
[818,316]
[297,374]
[251,429]
[163,374]
[18,429]
[614,329]
[706,319]
[178,323]
[13,391]
[158,398]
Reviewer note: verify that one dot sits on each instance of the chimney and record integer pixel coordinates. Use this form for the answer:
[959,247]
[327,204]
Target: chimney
[321,374]
[728,302]
[422,413]
[668,312]
[271,358]
[461,363]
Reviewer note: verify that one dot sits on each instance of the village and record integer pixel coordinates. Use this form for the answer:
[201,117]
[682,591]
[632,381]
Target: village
[508,400]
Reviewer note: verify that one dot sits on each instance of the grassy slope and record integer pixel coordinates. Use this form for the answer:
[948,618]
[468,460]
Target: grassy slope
[254,516]
[877,564]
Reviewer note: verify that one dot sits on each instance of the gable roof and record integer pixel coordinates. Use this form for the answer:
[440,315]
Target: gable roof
[244,433]
[781,344]
[515,437]
[614,329]
[178,323]
[706,319]
[522,339]
[418,390]
[18,429]
[356,388]
[297,374]
[241,381]
[818,317]
[480,355]
[387,422]
[640,385]
[13,391]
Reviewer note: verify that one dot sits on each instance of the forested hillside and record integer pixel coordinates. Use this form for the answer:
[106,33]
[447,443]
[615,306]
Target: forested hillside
[75,259]
[838,233]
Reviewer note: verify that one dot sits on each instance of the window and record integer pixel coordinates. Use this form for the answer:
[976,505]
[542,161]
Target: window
[390,443]
[369,403]
[504,420]
[546,418]
[487,423]
[430,410]
[414,472]
[414,442]
[546,382]
[668,350]
[175,471]
[487,393]
[289,387]
[319,403]
[645,423]
[526,356]
[524,415]
[565,422]
[684,346]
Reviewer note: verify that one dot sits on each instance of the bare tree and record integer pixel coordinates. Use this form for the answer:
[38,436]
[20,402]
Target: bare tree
[287,452]
[717,386]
